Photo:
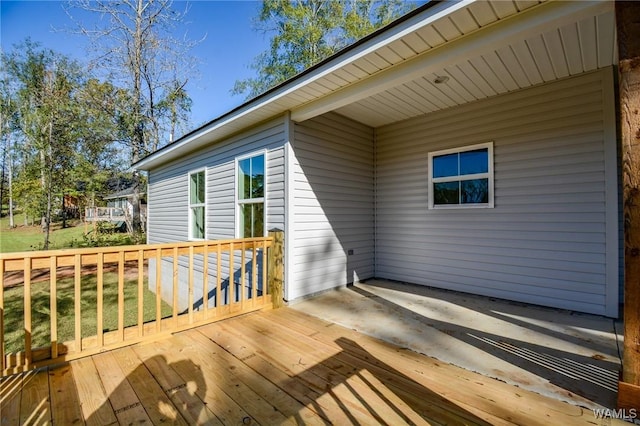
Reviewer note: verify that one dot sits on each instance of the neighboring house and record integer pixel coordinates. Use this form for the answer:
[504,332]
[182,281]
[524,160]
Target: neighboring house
[469,146]
[119,209]
[124,200]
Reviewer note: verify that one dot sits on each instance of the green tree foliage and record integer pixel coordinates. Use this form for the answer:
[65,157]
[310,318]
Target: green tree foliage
[7,126]
[304,32]
[64,128]
[45,87]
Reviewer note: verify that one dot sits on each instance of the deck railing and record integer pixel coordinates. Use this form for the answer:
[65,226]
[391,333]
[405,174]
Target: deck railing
[111,214]
[64,304]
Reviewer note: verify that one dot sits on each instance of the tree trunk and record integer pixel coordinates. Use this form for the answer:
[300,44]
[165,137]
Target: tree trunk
[43,184]
[4,161]
[47,185]
[138,137]
[64,212]
[11,223]
[47,224]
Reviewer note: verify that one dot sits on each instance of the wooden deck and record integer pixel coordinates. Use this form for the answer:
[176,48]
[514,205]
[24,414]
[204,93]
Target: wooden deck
[270,368]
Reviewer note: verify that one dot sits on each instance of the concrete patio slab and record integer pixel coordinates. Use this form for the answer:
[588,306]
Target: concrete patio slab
[566,355]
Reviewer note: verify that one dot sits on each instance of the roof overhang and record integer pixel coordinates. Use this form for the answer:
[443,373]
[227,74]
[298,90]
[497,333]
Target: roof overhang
[481,48]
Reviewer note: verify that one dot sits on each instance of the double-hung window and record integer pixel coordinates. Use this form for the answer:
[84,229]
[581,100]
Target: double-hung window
[461,177]
[197,205]
[251,196]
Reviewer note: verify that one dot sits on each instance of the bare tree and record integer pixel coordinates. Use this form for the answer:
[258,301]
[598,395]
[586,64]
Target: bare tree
[135,44]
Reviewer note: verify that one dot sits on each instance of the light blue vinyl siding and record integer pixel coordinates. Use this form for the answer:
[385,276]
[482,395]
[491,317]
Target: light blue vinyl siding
[545,242]
[333,204]
[168,200]
[168,186]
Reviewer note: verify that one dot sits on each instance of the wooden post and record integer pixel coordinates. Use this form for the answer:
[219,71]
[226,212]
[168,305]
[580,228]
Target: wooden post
[276,267]
[628,32]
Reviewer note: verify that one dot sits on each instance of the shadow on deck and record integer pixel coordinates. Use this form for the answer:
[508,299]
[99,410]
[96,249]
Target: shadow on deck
[273,367]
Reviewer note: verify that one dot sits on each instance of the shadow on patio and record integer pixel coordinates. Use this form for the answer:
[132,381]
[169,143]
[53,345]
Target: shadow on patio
[569,356]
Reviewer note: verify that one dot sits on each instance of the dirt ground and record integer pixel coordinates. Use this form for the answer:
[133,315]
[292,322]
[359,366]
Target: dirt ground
[16,278]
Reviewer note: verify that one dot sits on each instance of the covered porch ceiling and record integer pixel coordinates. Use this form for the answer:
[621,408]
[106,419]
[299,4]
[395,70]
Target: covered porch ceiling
[478,49]
[475,51]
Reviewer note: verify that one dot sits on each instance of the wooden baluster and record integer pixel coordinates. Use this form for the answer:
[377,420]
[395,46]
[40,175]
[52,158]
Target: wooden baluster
[175,286]
[158,289]
[27,310]
[243,272]
[190,308]
[205,279]
[218,275]
[254,274]
[264,271]
[140,293]
[53,305]
[100,301]
[77,285]
[121,295]
[2,355]
[232,285]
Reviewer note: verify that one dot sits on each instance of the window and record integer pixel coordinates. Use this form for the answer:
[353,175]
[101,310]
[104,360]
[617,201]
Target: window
[197,195]
[251,195]
[461,177]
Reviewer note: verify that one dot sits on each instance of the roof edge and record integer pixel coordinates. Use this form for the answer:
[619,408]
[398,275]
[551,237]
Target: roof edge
[145,163]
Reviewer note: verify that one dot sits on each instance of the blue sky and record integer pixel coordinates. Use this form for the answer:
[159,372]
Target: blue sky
[231,44]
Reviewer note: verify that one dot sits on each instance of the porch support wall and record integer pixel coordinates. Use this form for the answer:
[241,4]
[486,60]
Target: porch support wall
[628,27]
[550,239]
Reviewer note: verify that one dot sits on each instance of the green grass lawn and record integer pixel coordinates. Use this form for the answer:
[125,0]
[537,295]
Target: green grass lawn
[41,312]
[27,238]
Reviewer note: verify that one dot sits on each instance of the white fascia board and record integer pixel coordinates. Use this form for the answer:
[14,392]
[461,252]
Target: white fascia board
[530,22]
[384,38]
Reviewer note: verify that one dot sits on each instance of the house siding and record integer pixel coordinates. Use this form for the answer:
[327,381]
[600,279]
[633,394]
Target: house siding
[546,240]
[168,199]
[168,185]
[333,196]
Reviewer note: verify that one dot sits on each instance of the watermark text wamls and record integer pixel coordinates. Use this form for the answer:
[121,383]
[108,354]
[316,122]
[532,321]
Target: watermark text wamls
[622,414]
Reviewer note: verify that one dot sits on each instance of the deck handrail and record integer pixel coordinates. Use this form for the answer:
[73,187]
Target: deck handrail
[97,213]
[230,277]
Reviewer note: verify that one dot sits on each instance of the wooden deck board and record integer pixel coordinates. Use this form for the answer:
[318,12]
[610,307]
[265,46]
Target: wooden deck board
[156,403]
[123,399]
[205,386]
[34,405]
[65,404]
[10,392]
[275,397]
[295,363]
[94,402]
[339,367]
[274,367]
[181,392]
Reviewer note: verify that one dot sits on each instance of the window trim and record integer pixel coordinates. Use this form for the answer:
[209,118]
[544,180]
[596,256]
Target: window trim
[190,206]
[488,175]
[239,202]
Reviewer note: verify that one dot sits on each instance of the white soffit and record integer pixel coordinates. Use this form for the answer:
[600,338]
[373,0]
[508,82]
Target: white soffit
[513,50]
[484,48]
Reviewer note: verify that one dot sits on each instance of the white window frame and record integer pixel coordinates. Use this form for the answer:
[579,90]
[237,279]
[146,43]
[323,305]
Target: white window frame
[488,175]
[190,205]
[239,202]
